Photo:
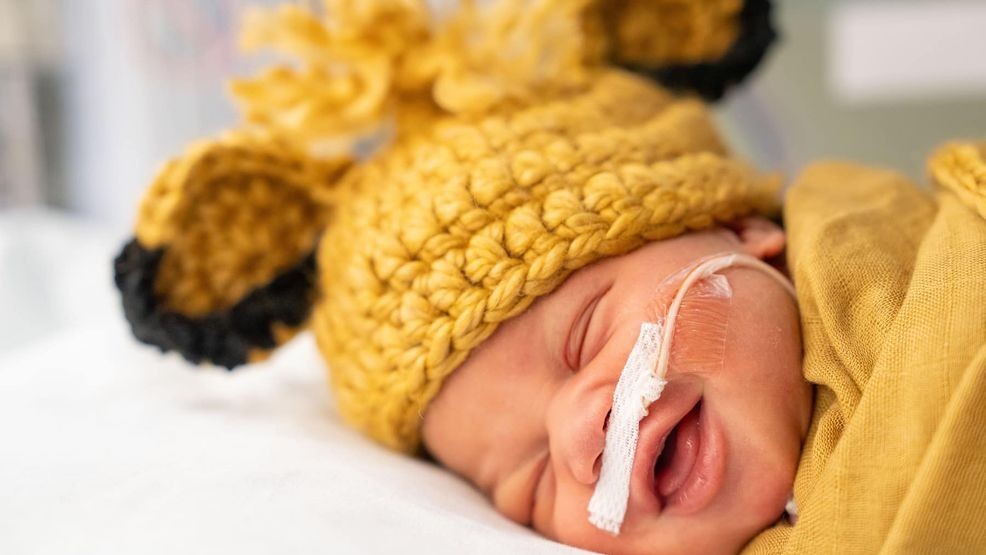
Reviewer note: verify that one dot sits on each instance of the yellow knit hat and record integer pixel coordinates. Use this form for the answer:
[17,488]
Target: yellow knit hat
[516,149]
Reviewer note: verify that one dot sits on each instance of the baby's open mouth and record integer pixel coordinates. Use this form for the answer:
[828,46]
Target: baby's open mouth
[689,470]
[679,454]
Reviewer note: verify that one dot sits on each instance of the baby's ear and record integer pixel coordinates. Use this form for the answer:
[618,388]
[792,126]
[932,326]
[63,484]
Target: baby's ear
[703,46]
[222,266]
[759,237]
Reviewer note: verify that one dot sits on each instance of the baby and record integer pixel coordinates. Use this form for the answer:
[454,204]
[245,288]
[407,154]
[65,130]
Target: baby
[719,448]
[552,277]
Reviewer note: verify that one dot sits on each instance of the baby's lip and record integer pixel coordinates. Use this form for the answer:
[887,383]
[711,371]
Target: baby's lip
[664,415]
[696,471]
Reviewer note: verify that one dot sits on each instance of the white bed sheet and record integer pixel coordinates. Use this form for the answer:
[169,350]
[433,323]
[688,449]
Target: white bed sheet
[107,447]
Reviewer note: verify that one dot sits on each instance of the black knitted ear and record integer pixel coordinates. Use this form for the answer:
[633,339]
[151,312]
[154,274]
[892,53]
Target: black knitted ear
[711,80]
[224,337]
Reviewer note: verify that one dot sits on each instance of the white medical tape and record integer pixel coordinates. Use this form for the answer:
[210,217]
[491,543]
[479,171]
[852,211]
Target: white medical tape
[640,384]
[636,389]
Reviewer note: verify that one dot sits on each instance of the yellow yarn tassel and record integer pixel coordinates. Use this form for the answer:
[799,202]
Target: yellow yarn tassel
[961,168]
[361,61]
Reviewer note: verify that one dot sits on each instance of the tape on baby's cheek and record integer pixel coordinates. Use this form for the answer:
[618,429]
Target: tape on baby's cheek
[643,377]
[698,344]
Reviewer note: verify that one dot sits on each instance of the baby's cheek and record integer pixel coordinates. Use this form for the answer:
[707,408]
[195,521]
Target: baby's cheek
[768,505]
[565,517]
[766,482]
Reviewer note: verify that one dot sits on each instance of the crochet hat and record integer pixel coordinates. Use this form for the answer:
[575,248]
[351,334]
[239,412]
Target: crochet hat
[507,147]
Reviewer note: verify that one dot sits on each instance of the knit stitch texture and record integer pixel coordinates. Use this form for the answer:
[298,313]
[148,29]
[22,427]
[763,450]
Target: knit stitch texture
[511,150]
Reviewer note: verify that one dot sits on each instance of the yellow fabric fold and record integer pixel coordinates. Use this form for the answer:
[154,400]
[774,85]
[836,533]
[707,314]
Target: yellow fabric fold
[891,280]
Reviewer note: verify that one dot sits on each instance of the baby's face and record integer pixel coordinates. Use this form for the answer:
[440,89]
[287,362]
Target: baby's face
[524,417]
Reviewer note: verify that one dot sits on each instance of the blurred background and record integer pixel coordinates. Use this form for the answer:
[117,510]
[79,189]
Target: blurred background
[95,94]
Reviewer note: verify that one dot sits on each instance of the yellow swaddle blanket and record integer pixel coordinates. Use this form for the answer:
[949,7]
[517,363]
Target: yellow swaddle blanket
[891,281]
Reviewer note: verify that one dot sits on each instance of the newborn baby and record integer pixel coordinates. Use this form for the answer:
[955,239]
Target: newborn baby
[524,417]
[486,281]
[891,290]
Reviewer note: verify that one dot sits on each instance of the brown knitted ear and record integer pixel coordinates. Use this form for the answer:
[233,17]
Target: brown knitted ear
[702,46]
[222,265]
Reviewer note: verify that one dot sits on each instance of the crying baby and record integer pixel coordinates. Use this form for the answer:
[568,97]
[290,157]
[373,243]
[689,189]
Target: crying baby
[551,274]
[686,398]
[536,420]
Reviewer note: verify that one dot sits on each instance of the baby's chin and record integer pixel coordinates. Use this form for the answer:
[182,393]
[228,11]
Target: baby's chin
[724,533]
[722,528]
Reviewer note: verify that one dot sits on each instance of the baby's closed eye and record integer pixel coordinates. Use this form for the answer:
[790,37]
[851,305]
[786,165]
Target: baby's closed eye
[575,346]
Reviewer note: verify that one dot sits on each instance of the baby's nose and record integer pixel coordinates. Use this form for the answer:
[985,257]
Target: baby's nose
[585,461]
[577,429]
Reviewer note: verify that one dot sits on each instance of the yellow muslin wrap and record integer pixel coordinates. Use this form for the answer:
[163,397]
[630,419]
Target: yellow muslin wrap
[891,281]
